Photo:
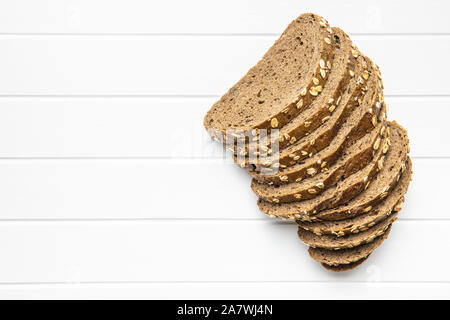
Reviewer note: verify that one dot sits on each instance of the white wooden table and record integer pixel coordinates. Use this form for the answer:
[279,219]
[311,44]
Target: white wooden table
[110,188]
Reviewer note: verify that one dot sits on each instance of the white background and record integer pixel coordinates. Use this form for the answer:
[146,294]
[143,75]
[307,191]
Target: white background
[109,187]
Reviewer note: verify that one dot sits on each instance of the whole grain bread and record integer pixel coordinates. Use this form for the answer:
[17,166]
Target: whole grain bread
[308,122]
[350,187]
[267,96]
[344,267]
[326,146]
[332,242]
[346,256]
[356,157]
[393,203]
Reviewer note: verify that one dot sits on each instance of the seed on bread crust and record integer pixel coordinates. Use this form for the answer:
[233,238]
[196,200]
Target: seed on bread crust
[374,120]
[365,74]
[322,63]
[274,123]
[376,145]
[385,148]
[380,163]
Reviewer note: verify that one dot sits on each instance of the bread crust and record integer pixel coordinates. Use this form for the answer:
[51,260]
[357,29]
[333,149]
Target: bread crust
[316,208]
[344,267]
[331,242]
[347,256]
[364,221]
[357,157]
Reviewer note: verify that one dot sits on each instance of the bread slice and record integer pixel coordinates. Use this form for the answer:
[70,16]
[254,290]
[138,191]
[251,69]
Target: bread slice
[327,144]
[347,256]
[332,242]
[393,203]
[267,96]
[352,160]
[252,155]
[350,187]
[377,191]
[344,267]
[311,117]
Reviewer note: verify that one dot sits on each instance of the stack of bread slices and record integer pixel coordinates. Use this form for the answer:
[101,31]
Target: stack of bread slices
[309,124]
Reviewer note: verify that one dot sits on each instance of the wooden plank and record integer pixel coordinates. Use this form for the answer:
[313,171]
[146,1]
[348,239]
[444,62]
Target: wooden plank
[61,127]
[217,251]
[161,189]
[162,128]
[189,65]
[233,290]
[232,16]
